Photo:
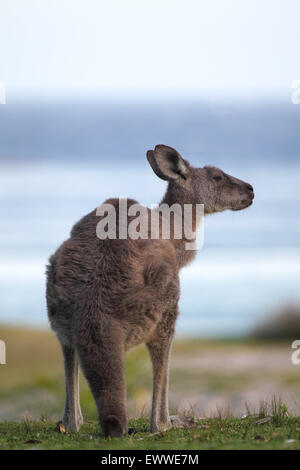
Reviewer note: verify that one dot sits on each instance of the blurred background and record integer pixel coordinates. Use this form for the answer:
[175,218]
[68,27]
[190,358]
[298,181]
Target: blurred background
[90,87]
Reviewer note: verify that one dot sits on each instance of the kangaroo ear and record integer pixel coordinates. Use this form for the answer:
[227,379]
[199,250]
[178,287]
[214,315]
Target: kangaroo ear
[167,163]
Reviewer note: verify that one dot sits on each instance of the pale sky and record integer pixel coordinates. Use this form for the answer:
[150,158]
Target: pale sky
[155,47]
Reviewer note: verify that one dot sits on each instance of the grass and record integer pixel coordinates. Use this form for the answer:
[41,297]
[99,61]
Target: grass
[218,374]
[215,433]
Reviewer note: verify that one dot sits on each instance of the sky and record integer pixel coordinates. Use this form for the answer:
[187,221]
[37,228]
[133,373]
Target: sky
[150,48]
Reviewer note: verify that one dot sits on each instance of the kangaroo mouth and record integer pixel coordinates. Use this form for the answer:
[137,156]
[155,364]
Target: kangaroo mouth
[243,205]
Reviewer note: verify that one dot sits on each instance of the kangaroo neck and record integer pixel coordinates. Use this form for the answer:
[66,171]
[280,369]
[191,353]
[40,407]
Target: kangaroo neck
[181,201]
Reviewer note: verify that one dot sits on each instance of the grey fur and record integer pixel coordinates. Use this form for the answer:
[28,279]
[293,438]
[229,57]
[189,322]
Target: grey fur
[106,296]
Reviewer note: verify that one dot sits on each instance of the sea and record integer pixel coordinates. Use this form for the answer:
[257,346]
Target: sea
[61,159]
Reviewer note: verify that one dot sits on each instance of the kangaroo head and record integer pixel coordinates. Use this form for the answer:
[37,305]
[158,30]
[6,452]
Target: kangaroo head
[208,185]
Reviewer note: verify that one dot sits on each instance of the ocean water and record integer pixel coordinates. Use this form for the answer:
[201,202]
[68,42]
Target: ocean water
[59,161]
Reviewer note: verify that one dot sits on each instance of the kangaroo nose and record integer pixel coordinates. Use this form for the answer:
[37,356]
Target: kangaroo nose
[248,186]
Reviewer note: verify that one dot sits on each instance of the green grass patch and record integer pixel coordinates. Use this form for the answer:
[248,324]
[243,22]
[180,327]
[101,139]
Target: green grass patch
[217,433]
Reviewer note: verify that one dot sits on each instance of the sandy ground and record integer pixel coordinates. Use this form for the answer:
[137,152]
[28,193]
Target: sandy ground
[207,378]
[231,379]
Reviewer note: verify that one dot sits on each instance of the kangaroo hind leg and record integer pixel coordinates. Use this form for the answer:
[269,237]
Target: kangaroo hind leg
[72,418]
[102,356]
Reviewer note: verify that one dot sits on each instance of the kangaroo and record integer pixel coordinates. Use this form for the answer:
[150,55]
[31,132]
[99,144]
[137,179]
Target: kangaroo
[105,296]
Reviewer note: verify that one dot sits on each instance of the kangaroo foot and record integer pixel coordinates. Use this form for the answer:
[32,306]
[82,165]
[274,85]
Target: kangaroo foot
[175,421]
[113,427]
[72,422]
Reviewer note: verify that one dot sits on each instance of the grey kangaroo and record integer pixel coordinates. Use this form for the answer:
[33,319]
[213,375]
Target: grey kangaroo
[106,296]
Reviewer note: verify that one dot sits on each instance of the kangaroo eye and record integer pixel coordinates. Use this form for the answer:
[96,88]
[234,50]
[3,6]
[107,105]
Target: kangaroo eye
[217,178]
